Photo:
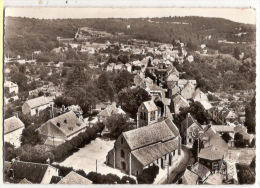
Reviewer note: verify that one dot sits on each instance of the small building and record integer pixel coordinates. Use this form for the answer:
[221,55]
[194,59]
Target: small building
[36,173]
[202,171]
[109,111]
[34,106]
[11,87]
[188,91]
[198,95]
[74,178]
[147,114]
[179,102]
[190,178]
[61,128]
[13,128]
[190,130]
[140,148]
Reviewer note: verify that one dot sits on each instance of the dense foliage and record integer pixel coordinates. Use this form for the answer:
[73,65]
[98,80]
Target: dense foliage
[98,178]
[148,175]
[250,116]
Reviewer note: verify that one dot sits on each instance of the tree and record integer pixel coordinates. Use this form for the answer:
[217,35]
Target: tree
[131,99]
[148,175]
[250,116]
[122,80]
[116,124]
[226,137]
[236,53]
[239,141]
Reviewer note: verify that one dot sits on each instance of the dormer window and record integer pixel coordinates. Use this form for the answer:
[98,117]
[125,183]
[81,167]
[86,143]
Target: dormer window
[65,121]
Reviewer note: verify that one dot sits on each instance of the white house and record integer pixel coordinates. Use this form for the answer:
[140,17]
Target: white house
[34,106]
[11,87]
[13,128]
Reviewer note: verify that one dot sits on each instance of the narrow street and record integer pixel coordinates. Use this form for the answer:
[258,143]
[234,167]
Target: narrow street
[177,169]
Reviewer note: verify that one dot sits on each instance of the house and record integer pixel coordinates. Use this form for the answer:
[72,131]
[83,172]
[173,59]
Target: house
[61,128]
[36,173]
[190,130]
[188,91]
[147,114]
[140,148]
[13,128]
[190,178]
[110,67]
[198,95]
[213,151]
[74,178]
[179,102]
[11,87]
[202,171]
[25,181]
[156,91]
[109,111]
[214,179]
[34,106]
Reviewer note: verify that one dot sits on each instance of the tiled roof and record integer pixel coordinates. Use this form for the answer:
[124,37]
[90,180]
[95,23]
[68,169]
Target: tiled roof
[68,123]
[12,124]
[157,132]
[39,101]
[25,181]
[200,170]
[109,110]
[34,172]
[150,106]
[149,154]
[74,178]
[189,178]
[211,153]
[223,128]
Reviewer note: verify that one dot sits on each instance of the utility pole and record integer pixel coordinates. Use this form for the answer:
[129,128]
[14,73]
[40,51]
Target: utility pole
[96,166]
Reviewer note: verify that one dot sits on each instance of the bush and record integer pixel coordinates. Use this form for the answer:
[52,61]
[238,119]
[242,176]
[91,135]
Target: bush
[98,178]
[148,175]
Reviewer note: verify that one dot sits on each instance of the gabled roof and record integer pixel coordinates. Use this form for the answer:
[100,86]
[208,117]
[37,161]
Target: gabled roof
[74,178]
[166,101]
[33,172]
[109,110]
[10,84]
[189,178]
[190,120]
[149,154]
[25,181]
[39,101]
[223,128]
[211,153]
[68,123]
[150,106]
[12,124]
[172,127]
[157,132]
[180,99]
[200,170]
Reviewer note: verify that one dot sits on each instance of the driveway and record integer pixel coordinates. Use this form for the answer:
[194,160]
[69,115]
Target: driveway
[177,169]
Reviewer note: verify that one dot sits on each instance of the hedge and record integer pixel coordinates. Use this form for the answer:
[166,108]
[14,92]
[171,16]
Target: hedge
[148,175]
[66,149]
[98,178]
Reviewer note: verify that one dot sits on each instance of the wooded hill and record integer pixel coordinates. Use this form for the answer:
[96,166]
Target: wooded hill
[24,35]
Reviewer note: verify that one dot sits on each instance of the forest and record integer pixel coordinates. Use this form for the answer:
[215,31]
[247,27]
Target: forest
[24,35]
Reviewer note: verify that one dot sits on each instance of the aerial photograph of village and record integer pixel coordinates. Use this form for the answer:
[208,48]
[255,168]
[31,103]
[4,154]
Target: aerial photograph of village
[140,99]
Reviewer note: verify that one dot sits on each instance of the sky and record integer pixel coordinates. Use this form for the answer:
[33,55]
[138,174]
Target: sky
[242,15]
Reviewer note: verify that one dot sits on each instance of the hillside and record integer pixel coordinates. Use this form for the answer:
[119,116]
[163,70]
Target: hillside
[24,35]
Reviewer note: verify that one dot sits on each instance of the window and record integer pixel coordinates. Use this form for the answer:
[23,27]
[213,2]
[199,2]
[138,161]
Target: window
[122,154]
[152,116]
[123,165]
[65,121]
[122,140]
[58,124]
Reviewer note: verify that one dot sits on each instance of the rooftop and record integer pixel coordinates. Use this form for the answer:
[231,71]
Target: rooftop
[12,124]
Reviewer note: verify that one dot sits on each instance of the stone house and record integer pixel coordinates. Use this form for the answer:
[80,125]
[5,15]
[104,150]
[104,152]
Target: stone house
[34,172]
[140,148]
[13,128]
[188,91]
[61,128]
[34,106]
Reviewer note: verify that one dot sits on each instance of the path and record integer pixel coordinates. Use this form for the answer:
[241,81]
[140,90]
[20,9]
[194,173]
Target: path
[177,168]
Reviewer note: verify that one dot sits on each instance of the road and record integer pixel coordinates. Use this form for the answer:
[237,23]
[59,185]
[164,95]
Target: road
[178,169]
